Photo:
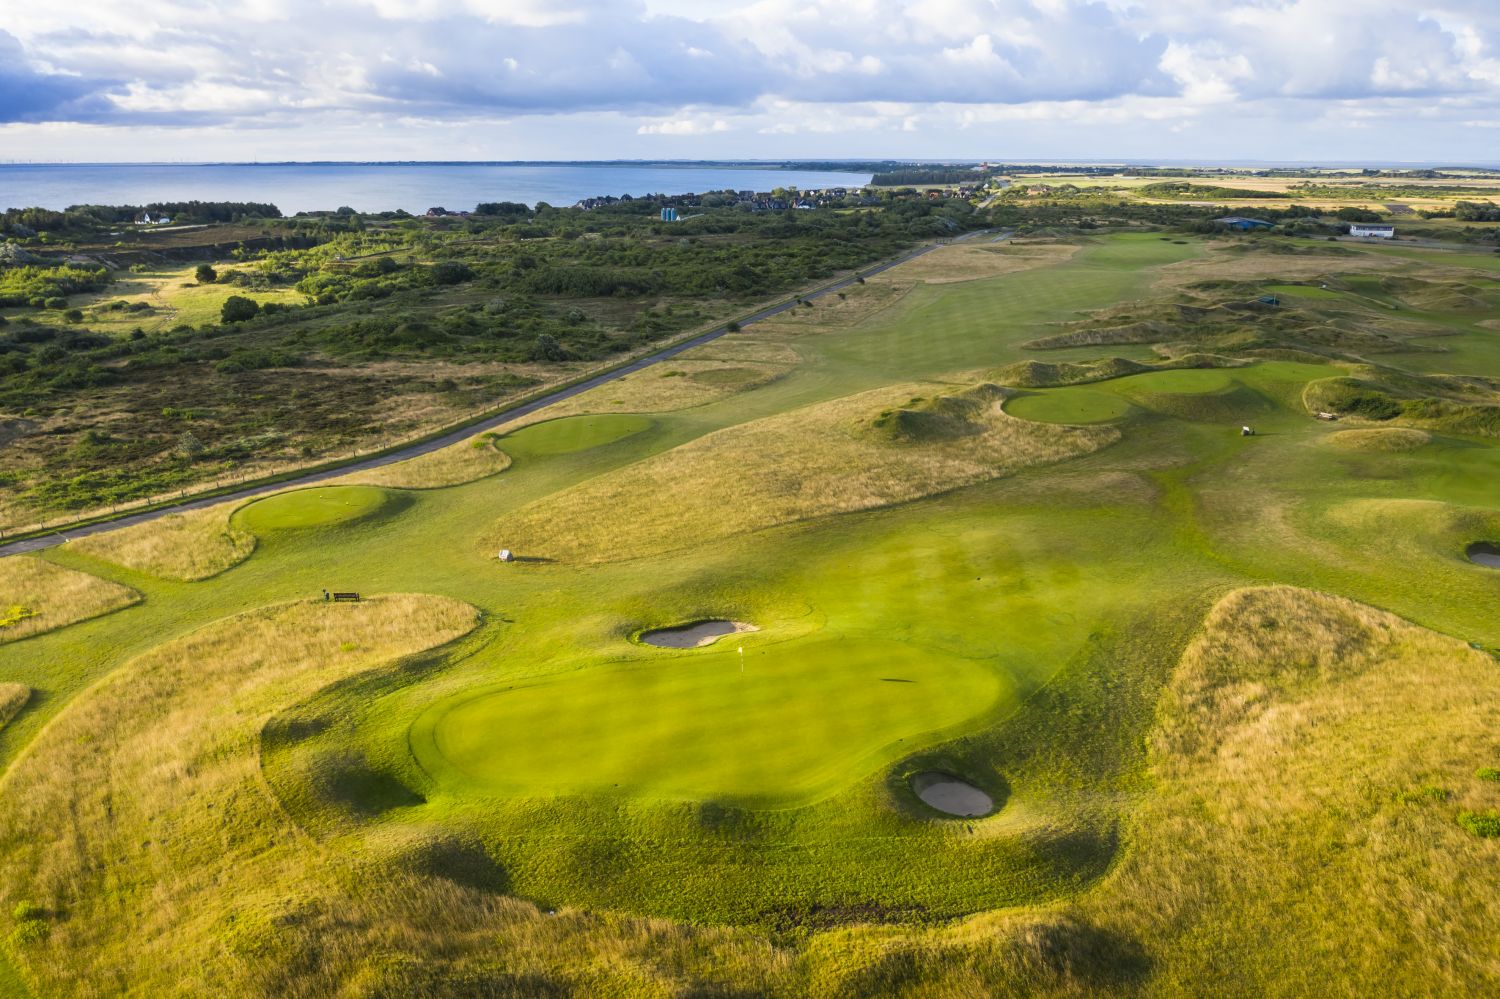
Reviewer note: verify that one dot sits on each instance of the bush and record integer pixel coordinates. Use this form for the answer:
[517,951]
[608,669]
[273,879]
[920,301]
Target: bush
[1485,825]
[205,274]
[1488,773]
[451,272]
[56,302]
[238,308]
[732,326]
[74,315]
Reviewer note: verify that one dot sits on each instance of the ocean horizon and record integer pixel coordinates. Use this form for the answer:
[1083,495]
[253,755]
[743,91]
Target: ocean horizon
[414,186]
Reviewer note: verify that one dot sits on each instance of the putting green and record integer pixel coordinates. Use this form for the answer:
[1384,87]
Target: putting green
[1177,381]
[323,506]
[800,720]
[1068,405]
[572,433]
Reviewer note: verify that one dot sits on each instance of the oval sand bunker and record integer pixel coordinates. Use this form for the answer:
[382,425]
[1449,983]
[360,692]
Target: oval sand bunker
[692,636]
[1485,553]
[950,795]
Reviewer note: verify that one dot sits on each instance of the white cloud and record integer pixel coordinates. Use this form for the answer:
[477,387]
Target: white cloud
[683,126]
[678,69]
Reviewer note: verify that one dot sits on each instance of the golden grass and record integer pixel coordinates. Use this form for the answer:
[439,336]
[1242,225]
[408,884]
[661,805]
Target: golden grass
[139,819]
[192,545]
[37,595]
[744,347]
[475,458]
[13,697]
[1380,439]
[975,260]
[824,459]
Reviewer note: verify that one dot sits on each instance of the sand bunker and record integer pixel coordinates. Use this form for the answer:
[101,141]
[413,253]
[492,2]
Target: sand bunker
[1485,553]
[692,636]
[950,795]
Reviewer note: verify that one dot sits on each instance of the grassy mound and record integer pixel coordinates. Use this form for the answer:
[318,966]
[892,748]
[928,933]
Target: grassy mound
[1043,374]
[476,458]
[167,748]
[941,418]
[572,433]
[185,546]
[13,697]
[706,726]
[811,462]
[1380,439]
[37,596]
[1443,403]
[315,508]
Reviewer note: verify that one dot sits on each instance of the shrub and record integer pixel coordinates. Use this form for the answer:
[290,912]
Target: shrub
[205,274]
[74,315]
[1488,773]
[56,302]
[1485,825]
[238,308]
[732,326]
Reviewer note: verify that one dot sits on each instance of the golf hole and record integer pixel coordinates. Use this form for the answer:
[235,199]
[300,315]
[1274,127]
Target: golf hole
[694,635]
[1485,553]
[950,795]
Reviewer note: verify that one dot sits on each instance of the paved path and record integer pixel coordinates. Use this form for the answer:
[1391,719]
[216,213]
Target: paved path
[468,430]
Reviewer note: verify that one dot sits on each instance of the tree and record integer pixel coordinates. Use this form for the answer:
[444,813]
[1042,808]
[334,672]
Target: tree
[238,308]
[548,349]
[205,274]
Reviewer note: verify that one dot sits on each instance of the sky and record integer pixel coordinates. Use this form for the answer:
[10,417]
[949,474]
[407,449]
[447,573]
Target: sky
[1381,81]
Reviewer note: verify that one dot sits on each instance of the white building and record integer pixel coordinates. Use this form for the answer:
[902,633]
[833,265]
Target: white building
[1372,231]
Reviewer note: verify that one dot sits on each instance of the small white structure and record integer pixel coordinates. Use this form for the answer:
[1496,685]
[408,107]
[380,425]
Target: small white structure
[1372,231]
[506,555]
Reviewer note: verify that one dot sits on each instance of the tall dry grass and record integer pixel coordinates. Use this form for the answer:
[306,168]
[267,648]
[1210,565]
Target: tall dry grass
[192,545]
[475,458]
[37,595]
[13,697]
[824,459]
[138,819]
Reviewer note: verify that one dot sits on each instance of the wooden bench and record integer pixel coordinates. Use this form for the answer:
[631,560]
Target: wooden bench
[345,597]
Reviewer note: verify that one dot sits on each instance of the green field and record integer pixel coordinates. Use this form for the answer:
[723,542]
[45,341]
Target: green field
[1230,692]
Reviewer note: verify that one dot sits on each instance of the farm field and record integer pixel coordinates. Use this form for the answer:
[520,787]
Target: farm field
[1229,696]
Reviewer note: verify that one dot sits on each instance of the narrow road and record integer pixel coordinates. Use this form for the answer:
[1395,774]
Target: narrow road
[467,430]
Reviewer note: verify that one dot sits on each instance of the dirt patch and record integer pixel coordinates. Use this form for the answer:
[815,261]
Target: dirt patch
[695,635]
[951,795]
[1485,553]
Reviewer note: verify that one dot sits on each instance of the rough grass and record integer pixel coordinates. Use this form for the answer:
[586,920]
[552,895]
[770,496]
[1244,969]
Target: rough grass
[1380,439]
[828,458]
[13,697]
[193,545]
[138,821]
[1286,847]
[1044,374]
[977,259]
[466,461]
[37,596]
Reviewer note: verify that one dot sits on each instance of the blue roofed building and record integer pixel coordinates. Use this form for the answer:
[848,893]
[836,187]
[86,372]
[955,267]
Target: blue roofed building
[1243,224]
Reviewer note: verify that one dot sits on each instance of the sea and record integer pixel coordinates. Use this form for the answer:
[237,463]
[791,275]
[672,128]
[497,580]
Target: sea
[379,187]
